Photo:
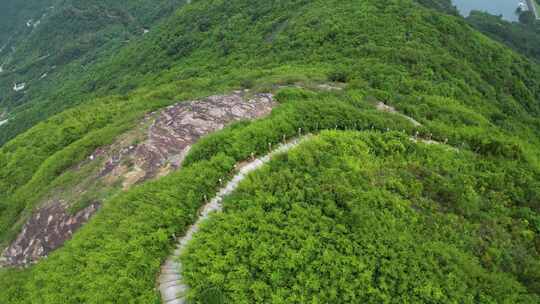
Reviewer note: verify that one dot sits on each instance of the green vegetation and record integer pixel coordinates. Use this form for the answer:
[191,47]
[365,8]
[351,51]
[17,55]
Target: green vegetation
[463,87]
[98,251]
[62,40]
[14,15]
[354,217]
[445,6]
[122,247]
[294,118]
[522,37]
[31,162]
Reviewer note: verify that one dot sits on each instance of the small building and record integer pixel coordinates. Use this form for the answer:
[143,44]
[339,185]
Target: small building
[19,86]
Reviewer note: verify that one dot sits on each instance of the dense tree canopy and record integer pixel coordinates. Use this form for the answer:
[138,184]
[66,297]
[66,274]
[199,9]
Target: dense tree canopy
[379,198]
[522,37]
[367,218]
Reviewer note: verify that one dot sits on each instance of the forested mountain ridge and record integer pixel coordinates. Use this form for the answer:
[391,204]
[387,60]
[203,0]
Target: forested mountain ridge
[523,36]
[15,15]
[50,43]
[385,203]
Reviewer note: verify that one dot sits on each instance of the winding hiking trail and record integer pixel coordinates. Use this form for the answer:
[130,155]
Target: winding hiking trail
[171,286]
[383,107]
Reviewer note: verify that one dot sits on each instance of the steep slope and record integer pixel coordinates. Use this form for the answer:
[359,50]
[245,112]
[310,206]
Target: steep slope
[524,38]
[155,148]
[14,16]
[52,42]
[464,89]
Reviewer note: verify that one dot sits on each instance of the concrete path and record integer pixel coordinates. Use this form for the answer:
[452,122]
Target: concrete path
[381,106]
[171,285]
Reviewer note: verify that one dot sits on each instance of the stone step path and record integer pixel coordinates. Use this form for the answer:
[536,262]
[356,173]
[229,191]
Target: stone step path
[171,285]
[381,106]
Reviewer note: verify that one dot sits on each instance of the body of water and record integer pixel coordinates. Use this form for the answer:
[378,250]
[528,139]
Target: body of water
[506,8]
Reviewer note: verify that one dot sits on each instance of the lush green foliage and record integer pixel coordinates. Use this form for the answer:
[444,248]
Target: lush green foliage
[458,83]
[393,46]
[441,5]
[369,218]
[524,38]
[141,222]
[116,256]
[58,45]
[293,119]
[31,162]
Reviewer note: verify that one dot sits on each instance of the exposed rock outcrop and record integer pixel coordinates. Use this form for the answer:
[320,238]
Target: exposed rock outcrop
[176,129]
[46,230]
[159,151]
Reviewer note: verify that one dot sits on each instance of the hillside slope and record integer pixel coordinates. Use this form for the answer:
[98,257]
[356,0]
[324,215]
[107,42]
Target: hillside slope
[49,43]
[14,16]
[330,63]
[359,217]
[524,38]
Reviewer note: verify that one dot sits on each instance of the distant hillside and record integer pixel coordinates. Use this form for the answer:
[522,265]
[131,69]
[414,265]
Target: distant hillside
[14,16]
[445,6]
[523,38]
[49,43]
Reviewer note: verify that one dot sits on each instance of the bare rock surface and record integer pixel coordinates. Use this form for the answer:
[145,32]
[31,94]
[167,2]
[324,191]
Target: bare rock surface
[44,232]
[166,138]
[180,126]
[177,128]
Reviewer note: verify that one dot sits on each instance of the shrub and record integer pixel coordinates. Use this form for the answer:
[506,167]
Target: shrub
[339,76]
